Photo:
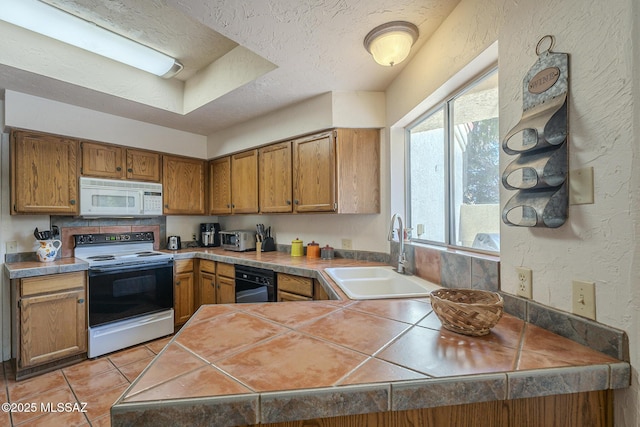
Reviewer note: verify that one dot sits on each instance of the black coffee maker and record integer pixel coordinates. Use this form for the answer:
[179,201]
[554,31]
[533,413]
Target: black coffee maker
[209,234]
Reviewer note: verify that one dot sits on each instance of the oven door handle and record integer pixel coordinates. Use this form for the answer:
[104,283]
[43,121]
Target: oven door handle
[93,271]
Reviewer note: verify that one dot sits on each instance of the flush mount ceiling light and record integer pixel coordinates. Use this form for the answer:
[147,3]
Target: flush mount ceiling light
[57,24]
[390,43]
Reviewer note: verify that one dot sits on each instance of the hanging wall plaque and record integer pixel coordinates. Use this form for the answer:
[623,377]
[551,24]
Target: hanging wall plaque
[539,142]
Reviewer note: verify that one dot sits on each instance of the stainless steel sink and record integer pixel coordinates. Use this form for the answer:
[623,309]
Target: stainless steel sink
[378,283]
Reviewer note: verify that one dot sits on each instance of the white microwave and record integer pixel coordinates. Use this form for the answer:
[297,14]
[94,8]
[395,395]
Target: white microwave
[114,198]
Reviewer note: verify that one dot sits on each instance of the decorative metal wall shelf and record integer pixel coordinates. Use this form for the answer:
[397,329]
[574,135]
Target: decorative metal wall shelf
[539,140]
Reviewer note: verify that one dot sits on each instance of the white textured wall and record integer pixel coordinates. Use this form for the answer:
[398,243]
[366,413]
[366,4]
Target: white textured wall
[31,112]
[308,116]
[346,109]
[598,242]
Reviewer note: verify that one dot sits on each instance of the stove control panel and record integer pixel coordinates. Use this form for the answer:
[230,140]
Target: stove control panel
[106,238]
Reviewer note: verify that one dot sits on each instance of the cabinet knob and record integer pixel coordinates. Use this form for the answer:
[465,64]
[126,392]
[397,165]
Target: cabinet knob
[118,168]
[72,201]
[297,202]
[81,301]
[288,202]
[228,205]
[166,206]
[130,170]
[178,283]
[233,205]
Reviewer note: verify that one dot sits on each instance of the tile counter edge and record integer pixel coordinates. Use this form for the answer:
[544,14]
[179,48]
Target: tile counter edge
[327,402]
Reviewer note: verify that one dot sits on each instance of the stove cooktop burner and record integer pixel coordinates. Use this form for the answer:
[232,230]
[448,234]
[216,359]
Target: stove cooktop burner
[147,253]
[101,250]
[101,258]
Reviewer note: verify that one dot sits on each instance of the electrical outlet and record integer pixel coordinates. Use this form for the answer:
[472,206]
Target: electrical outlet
[525,282]
[346,244]
[12,247]
[584,299]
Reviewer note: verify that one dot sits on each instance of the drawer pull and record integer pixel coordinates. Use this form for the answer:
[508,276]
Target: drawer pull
[81,301]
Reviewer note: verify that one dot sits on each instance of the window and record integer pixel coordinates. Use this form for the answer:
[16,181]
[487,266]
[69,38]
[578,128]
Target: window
[453,173]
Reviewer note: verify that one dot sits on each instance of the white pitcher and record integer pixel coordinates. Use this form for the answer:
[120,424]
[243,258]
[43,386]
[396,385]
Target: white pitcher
[48,250]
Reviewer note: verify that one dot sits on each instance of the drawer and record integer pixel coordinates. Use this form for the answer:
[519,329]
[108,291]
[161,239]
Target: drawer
[227,270]
[295,284]
[52,283]
[208,266]
[286,296]
[182,266]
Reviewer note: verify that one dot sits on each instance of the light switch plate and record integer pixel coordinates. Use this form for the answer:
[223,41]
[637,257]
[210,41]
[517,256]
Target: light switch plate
[584,299]
[581,186]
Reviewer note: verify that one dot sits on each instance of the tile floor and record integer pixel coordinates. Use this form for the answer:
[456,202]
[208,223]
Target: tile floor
[97,382]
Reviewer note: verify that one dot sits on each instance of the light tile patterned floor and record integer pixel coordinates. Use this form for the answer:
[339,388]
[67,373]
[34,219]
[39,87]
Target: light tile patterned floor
[97,382]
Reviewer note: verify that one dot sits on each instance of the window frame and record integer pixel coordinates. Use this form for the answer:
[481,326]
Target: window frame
[446,104]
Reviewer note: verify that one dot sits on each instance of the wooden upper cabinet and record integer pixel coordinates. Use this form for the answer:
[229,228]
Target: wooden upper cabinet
[244,182]
[220,186]
[275,178]
[183,185]
[314,173]
[143,165]
[44,171]
[116,162]
[358,170]
[337,171]
[102,160]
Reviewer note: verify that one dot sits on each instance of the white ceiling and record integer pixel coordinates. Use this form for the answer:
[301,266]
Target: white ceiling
[241,59]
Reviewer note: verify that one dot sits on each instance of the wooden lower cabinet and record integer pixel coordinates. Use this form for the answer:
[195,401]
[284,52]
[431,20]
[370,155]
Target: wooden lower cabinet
[226,283]
[294,288]
[206,282]
[50,320]
[297,288]
[183,291]
[589,409]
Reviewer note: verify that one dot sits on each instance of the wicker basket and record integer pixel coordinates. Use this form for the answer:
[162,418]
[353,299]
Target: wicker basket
[467,311]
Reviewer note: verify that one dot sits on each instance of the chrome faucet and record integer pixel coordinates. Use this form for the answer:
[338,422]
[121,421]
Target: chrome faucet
[401,257]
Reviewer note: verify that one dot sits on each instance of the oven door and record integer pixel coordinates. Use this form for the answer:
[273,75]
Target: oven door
[118,293]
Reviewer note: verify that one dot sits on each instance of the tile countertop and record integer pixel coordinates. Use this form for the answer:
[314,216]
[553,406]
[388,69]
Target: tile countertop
[244,364]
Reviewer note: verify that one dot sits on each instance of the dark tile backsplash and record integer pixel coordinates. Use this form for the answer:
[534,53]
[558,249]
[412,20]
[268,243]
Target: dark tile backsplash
[476,271]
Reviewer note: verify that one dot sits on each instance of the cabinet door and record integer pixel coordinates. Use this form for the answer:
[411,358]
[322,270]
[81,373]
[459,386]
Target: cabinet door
[275,178]
[183,297]
[220,186]
[102,160]
[143,165]
[44,174]
[207,288]
[183,181]
[52,326]
[358,175]
[226,290]
[314,169]
[244,182]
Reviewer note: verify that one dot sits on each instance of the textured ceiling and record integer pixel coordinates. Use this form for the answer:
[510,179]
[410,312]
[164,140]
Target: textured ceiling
[242,59]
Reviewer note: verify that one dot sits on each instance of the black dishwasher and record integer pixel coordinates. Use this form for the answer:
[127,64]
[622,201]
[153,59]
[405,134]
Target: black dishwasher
[255,284]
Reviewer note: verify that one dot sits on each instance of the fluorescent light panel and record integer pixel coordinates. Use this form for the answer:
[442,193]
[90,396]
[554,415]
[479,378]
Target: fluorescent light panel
[57,24]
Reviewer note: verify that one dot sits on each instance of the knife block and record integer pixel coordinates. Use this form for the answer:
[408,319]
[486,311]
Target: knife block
[268,245]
